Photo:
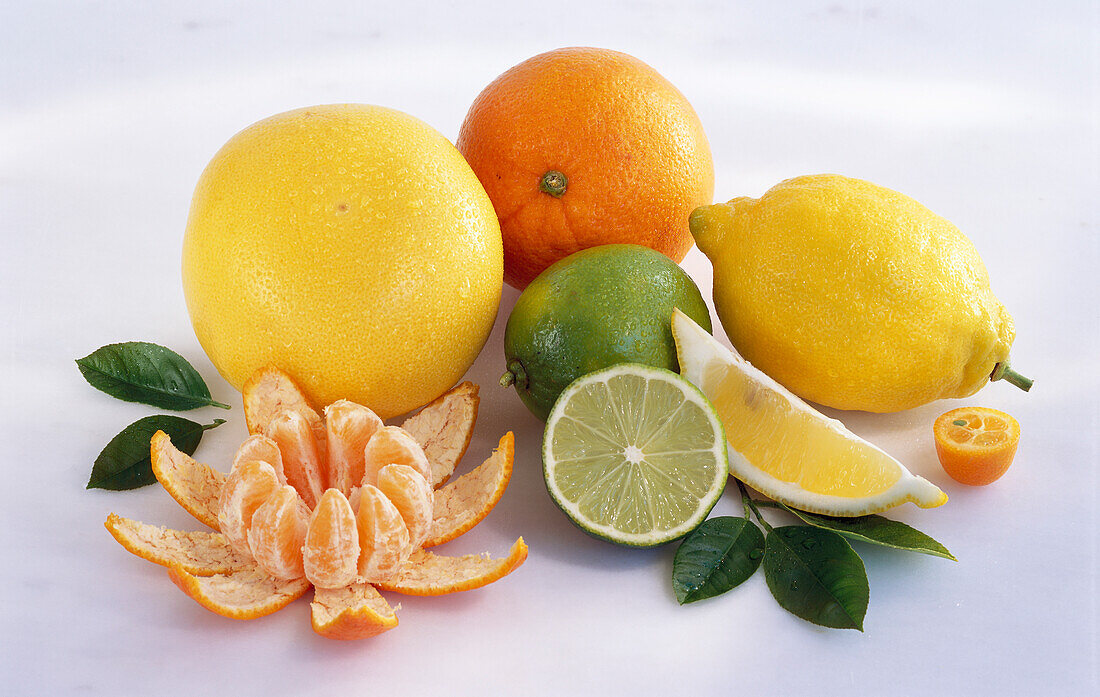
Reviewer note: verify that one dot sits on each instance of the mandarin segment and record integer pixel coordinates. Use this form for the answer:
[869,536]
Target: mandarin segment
[413,496]
[247,487]
[242,595]
[330,556]
[444,428]
[393,446]
[463,503]
[260,447]
[278,532]
[192,484]
[427,573]
[303,463]
[356,611]
[384,540]
[349,427]
[198,553]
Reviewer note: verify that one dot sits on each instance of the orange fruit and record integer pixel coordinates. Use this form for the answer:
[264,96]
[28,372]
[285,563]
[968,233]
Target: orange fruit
[976,444]
[580,147]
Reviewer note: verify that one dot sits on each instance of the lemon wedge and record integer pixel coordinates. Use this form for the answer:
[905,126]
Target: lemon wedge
[783,448]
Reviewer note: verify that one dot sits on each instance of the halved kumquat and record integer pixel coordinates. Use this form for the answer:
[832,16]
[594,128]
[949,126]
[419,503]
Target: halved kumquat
[976,444]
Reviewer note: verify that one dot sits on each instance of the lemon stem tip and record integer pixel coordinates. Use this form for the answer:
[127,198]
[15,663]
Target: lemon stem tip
[507,380]
[1003,371]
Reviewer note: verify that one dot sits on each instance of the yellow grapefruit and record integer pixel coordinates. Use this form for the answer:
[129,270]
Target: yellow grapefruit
[350,245]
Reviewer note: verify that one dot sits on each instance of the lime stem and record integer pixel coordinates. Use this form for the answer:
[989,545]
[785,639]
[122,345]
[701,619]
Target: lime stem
[516,375]
[1003,371]
[553,183]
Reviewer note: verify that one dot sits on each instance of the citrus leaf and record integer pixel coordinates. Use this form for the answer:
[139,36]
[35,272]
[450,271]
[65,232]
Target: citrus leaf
[814,573]
[717,556]
[137,371]
[877,530]
[125,462]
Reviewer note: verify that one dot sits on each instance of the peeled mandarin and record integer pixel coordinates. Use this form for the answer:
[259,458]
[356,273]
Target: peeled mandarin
[384,544]
[302,461]
[260,447]
[330,556]
[393,445]
[248,486]
[278,532]
[349,426]
[412,495]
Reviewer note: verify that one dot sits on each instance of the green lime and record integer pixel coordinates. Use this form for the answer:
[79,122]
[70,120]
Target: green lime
[634,455]
[595,308]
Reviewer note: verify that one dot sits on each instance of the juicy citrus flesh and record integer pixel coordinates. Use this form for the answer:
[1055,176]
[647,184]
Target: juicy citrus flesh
[632,151]
[295,530]
[330,555]
[634,455]
[784,448]
[852,295]
[346,542]
[413,258]
[976,445]
[792,443]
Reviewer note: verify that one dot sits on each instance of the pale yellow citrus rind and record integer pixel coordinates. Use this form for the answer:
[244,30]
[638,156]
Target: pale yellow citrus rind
[356,611]
[444,428]
[193,485]
[198,553]
[465,502]
[427,573]
[243,595]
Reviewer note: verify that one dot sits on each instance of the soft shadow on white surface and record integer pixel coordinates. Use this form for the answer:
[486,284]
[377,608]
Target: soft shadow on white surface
[986,112]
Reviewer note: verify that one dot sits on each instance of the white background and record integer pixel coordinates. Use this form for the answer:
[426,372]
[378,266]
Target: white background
[986,112]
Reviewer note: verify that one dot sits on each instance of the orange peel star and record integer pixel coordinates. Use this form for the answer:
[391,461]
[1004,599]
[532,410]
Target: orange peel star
[338,502]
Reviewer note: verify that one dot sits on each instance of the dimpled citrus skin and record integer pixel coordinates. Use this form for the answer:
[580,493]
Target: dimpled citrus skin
[629,144]
[350,245]
[852,295]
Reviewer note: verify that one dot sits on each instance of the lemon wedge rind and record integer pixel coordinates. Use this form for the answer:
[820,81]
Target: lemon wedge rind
[697,350]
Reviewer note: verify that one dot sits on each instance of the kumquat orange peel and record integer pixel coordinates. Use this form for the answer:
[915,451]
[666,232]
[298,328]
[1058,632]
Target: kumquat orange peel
[336,501]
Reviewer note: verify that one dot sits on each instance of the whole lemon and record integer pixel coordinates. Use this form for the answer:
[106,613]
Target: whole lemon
[854,296]
[350,245]
[593,309]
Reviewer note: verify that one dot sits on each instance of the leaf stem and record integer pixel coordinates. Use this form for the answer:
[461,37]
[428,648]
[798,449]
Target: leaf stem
[748,503]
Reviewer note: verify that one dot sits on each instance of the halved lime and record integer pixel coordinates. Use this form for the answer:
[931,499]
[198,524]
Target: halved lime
[634,455]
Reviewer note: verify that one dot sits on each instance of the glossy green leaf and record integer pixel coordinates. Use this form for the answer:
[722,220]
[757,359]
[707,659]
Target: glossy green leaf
[717,556]
[125,462]
[137,371]
[877,530]
[814,574]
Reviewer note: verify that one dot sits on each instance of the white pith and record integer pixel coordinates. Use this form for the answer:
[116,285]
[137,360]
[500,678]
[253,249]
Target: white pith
[690,394]
[697,349]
